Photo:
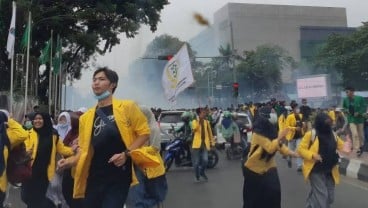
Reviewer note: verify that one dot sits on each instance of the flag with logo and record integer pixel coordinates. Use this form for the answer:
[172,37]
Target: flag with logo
[57,58]
[11,35]
[45,53]
[177,74]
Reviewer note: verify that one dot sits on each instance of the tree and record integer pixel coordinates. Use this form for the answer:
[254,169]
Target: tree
[260,71]
[87,27]
[346,56]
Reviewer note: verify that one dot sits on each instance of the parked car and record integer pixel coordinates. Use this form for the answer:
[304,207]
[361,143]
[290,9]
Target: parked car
[167,120]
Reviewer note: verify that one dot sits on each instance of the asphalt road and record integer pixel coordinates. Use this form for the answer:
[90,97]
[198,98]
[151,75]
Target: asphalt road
[224,189]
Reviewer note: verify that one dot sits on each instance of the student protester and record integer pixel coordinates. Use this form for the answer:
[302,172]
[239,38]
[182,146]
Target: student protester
[261,181]
[355,108]
[107,134]
[11,135]
[43,143]
[202,142]
[71,140]
[319,150]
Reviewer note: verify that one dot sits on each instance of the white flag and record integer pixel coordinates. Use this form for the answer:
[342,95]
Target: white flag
[177,75]
[11,35]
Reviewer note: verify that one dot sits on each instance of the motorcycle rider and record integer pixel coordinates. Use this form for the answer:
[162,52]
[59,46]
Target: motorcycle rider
[229,129]
[187,132]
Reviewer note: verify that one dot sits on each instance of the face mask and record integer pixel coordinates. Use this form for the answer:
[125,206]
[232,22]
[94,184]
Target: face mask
[63,125]
[273,118]
[297,110]
[28,124]
[103,96]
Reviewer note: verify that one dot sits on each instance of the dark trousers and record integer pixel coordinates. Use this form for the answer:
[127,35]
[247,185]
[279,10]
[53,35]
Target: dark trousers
[2,198]
[261,190]
[200,160]
[67,185]
[107,195]
[33,193]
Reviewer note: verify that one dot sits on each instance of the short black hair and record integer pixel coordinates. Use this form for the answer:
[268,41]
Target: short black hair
[111,75]
[350,88]
[198,110]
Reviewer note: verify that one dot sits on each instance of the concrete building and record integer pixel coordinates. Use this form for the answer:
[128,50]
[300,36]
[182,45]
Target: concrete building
[246,26]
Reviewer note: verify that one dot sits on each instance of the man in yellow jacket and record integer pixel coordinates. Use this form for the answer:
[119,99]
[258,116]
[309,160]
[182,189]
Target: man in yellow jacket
[107,134]
[202,143]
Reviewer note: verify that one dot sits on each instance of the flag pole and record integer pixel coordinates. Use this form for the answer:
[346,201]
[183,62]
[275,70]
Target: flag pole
[27,64]
[11,83]
[50,76]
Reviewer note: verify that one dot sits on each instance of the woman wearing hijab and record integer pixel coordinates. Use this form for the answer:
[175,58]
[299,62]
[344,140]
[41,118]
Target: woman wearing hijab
[229,128]
[11,134]
[149,192]
[43,143]
[261,181]
[63,124]
[71,140]
[318,148]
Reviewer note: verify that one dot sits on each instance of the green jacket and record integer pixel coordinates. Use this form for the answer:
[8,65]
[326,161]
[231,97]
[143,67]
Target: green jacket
[359,108]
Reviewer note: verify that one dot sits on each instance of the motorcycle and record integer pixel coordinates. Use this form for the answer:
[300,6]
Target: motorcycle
[236,150]
[176,151]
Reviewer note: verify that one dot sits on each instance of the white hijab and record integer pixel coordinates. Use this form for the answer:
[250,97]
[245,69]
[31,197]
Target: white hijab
[63,129]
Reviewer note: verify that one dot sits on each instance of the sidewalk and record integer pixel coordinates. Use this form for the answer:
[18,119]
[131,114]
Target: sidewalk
[355,167]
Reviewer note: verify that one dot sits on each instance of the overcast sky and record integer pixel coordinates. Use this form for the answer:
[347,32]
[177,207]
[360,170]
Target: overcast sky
[177,20]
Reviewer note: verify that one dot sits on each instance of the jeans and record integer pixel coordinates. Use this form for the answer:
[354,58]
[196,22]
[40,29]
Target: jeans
[293,145]
[112,195]
[200,160]
[148,193]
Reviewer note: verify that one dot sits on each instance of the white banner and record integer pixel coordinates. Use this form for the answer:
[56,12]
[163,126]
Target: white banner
[177,75]
[11,35]
[312,87]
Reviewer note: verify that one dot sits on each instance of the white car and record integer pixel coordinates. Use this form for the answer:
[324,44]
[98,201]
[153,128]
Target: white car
[167,120]
[244,122]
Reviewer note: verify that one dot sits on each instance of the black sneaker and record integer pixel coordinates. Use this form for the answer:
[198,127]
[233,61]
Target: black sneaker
[359,153]
[205,178]
[289,164]
[196,180]
[299,169]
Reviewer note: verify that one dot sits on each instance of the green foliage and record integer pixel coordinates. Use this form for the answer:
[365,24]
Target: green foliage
[347,56]
[87,27]
[261,69]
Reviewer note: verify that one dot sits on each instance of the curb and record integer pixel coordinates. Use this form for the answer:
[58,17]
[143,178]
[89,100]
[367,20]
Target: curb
[354,168]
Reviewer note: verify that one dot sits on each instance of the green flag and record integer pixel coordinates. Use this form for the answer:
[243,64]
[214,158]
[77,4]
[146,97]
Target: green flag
[45,54]
[57,58]
[24,42]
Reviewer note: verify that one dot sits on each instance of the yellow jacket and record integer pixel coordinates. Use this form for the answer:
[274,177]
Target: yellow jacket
[306,151]
[254,162]
[131,123]
[57,147]
[281,122]
[291,124]
[332,115]
[197,130]
[16,135]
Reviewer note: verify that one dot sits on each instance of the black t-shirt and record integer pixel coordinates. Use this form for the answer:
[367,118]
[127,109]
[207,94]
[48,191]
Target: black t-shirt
[106,141]
[306,111]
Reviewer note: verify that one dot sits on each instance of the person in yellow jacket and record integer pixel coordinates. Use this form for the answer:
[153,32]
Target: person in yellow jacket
[107,134]
[203,141]
[261,181]
[43,144]
[294,122]
[320,164]
[11,134]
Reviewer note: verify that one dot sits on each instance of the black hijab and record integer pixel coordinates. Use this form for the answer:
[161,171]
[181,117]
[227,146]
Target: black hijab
[4,139]
[264,127]
[45,134]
